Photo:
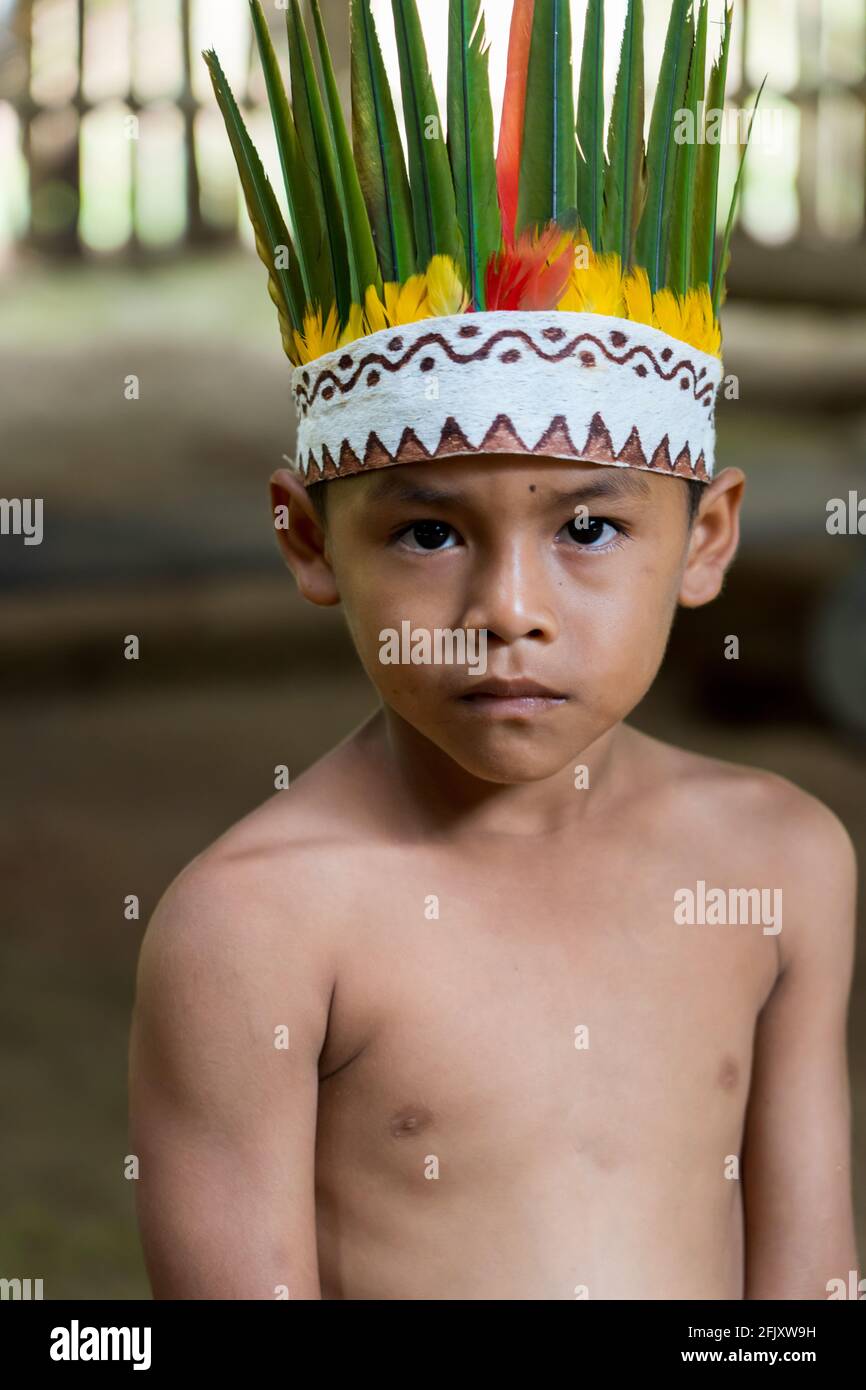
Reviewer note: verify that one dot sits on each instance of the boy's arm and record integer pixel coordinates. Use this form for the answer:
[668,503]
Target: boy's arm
[222,1120]
[797,1155]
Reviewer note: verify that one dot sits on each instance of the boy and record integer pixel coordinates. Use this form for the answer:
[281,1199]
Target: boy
[475,1009]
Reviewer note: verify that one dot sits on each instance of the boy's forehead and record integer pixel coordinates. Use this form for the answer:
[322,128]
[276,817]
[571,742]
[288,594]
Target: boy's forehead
[481,475]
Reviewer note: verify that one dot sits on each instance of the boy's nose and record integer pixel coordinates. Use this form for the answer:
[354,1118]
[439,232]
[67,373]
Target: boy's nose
[511,596]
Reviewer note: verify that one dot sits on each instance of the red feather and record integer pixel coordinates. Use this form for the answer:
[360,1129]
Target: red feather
[531,273]
[505,281]
[513,112]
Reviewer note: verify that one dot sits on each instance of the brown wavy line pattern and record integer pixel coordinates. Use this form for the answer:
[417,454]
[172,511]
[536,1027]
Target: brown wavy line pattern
[483,352]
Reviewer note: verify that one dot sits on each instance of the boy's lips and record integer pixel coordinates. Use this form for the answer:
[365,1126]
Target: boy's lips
[511,697]
[513,689]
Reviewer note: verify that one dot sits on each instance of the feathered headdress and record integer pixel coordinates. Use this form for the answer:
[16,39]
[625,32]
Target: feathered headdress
[549,297]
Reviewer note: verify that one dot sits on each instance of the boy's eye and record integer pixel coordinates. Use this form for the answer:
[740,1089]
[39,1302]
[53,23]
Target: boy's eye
[592,533]
[427,535]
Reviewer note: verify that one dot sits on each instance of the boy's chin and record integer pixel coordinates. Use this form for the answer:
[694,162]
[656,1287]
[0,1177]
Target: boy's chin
[512,754]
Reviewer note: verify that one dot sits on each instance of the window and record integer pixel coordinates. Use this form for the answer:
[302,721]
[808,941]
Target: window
[111,142]
[110,139]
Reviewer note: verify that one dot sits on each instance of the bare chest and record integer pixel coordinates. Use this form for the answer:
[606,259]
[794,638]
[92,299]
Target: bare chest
[527,1016]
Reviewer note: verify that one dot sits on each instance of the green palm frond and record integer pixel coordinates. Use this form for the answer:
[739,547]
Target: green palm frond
[318,152]
[548,165]
[363,261]
[590,125]
[685,179]
[470,141]
[625,181]
[315,265]
[273,241]
[709,161]
[652,240]
[437,231]
[379,150]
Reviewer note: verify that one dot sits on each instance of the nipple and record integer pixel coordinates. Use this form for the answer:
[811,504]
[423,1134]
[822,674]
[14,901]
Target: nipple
[729,1072]
[412,1119]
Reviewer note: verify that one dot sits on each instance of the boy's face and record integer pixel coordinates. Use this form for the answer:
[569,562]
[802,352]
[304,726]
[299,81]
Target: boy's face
[573,571]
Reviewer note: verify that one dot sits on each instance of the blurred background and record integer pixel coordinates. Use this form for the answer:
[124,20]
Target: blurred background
[125,251]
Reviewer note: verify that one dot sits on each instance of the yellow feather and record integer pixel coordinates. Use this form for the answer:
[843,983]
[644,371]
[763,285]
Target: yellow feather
[668,313]
[596,288]
[392,301]
[446,293]
[701,326]
[354,329]
[691,319]
[638,297]
[411,305]
[317,339]
[375,313]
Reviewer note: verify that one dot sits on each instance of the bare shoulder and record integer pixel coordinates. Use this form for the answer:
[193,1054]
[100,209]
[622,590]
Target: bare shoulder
[766,830]
[740,800]
[258,913]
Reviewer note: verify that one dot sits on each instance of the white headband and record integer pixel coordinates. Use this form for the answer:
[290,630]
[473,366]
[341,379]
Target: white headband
[562,385]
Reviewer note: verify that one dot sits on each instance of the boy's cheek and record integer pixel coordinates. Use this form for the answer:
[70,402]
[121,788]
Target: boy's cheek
[381,620]
[627,648]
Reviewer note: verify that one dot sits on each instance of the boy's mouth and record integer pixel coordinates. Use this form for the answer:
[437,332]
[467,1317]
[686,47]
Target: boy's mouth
[511,697]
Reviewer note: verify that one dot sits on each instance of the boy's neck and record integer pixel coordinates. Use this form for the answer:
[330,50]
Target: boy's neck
[431,794]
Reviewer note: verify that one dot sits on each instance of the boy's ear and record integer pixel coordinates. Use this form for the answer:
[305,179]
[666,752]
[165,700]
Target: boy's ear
[714,539]
[301,539]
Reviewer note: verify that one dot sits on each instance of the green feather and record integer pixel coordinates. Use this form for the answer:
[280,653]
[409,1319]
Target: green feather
[625,179]
[318,151]
[709,158]
[437,231]
[315,263]
[654,230]
[470,142]
[548,163]
[363,262]
[720,286]
[272,235]
[379,150]
[685,182]
[590,125]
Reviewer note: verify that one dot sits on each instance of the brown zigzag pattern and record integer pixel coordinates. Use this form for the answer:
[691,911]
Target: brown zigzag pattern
[503,438]
[327,377]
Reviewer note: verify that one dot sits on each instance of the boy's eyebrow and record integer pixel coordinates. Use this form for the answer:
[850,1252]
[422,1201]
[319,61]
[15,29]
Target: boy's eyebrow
[621,485]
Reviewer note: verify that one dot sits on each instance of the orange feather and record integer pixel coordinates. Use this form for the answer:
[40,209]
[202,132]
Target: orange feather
[533,272]
[554,254]
[513,112]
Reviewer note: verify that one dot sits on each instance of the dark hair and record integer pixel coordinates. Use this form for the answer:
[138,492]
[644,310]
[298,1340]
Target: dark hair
[695,496]
[318,494]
